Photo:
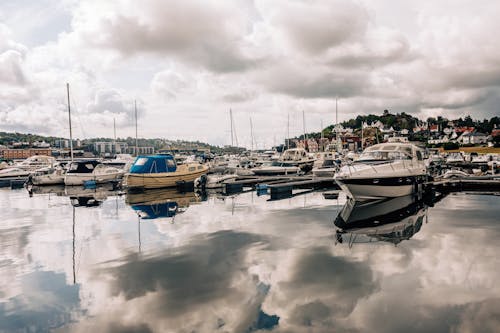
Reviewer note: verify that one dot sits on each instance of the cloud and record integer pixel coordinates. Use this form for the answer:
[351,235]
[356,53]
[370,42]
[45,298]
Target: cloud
[190,61]
[208,35]
[315,26]
[203,286]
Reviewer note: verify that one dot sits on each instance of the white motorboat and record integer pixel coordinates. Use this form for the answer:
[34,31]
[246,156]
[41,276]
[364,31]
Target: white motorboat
[275,168]
[48,176]
[297,157]
[36,162]
[26,167]
[82,171]
[13,173]
[327,169]
[385,170]
[213,181]
[455,158]
[121,161]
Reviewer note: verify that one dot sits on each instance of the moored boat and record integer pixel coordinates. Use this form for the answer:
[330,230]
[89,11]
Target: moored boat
[159,171]
[276,168]
[80,172]
[384,170]
[297,157]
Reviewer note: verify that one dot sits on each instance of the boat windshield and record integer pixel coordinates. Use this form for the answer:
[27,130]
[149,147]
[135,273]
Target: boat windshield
[378,155]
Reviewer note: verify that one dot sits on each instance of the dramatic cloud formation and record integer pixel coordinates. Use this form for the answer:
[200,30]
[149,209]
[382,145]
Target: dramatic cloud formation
[189,62]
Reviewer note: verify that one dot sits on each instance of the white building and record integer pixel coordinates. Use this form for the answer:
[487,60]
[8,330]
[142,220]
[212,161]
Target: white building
[442,139]
[110,148]
[473,138]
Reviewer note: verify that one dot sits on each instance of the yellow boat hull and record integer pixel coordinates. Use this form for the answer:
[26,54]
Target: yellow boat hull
[187,173]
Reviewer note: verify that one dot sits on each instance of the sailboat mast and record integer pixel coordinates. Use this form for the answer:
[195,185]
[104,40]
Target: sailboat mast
[304,126]
[336,112]
[136,145]
[114,134]
[251,132]
[288,131]
[70,130]
[231,123]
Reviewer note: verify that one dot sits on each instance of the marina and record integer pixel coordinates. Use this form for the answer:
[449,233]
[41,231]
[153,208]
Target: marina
[106,251]
[249,166]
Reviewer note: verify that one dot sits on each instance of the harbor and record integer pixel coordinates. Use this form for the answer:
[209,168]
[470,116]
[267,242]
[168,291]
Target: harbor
[225,166]
[96,253]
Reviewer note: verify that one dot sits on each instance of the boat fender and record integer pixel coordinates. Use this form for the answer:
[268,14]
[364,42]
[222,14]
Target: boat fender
[201,181]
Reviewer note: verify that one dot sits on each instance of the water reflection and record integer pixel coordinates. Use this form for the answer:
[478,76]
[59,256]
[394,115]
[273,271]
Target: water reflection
[156,203]
[391,220]
[78,195]
[247,264]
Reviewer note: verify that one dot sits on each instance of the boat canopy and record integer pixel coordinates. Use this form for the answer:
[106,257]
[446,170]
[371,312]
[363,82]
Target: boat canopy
[83,166]
[154,164]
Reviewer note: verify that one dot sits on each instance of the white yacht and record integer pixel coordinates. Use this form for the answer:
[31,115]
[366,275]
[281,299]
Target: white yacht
[24,168]
[13,173]
[53,175]
[121,161]
[82,171]
[385,170]
[455,158]
[297,157]
[328,168]
[273,168]
[36,162]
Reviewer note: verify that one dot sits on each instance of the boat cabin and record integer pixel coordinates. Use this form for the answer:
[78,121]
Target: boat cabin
[294,154]
[83,166]
[154,164]
[391,151]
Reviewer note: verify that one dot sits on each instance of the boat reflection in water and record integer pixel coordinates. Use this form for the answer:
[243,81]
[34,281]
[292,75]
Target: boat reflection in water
[157,203]
[78,195]
[390,220]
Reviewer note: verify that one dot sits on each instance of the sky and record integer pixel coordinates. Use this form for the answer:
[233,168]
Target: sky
[187,63]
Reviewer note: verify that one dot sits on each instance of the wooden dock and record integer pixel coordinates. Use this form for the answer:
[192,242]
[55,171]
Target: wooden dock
[490,183]
[278,187]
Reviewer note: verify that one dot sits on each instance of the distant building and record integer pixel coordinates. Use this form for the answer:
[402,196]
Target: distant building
[12,154]
[142,150]
[110,148]
[40,144]
[312,145]
[464,129]
[473,138]
[440,140]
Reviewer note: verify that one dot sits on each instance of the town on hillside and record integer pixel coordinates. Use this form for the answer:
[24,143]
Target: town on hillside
[353,135]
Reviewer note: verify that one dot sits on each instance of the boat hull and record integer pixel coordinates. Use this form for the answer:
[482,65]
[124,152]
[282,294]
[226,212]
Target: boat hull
[160,180]
[79,179]
[324,172]
[379,188]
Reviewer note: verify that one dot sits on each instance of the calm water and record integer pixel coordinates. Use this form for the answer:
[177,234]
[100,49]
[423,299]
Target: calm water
[164,262]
